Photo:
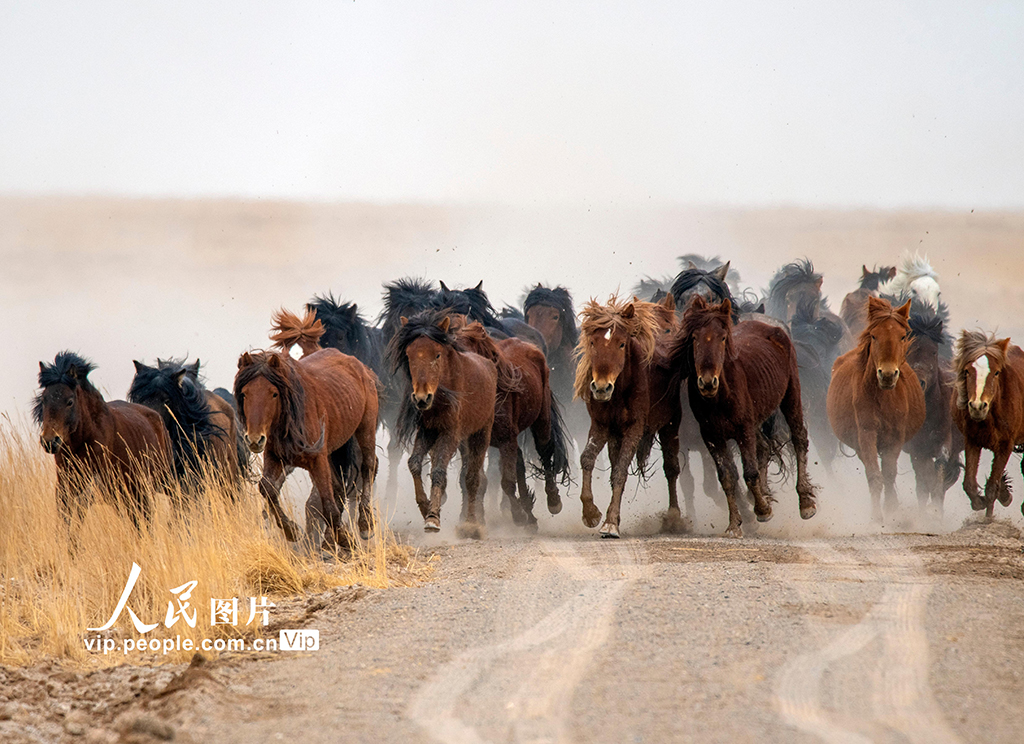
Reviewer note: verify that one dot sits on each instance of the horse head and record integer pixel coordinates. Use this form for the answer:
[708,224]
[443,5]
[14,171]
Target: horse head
[258,387]
[888,337]
[708,328]
[426,357]
[58,406]
[979,380]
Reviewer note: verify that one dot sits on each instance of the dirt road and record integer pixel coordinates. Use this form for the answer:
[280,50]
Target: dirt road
[901,637]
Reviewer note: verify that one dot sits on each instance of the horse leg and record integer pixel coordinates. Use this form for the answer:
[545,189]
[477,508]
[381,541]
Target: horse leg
[792,411]
[542,440]
[440,456]
[711,476]
[419,450]
[995,488]
[526,497]
[867,451]
[728,477]
[366,437]
[270,489]
[972,454]
[595,443]
[321,507]
[668,438]
[621,451]
[507,463]
[752,475]
[890,456]
[475,452]
[925,475]
[394,459]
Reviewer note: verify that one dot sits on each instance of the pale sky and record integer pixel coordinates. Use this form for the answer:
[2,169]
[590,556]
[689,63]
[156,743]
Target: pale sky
[877,104]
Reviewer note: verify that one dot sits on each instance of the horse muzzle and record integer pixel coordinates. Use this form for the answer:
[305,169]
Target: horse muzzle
[51,446]
[423,402]
[887,380]
[708,387]
[258,445]
[978,411]
[602,393]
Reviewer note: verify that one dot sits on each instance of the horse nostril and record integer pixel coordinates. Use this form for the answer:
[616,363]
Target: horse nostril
[714,381]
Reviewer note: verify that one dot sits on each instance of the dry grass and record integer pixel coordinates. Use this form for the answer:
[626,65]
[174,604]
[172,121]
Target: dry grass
[49,596]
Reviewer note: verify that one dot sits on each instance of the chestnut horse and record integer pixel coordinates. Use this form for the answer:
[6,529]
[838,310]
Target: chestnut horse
[875,403]
[449,405]
[202,425]
[122,447]
[524,402]
[988,409]
[302,414]
[737,376]
[631,395]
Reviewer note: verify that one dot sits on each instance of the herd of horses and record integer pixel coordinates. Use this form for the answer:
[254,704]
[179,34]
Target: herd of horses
[699,365]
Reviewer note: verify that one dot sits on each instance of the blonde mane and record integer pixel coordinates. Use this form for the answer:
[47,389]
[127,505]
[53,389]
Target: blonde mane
[971,346]
[642,326]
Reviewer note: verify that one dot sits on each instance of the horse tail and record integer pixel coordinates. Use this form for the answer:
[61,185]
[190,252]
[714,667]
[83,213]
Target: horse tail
[774,435]
[346,459]
[554,456]
[288,330]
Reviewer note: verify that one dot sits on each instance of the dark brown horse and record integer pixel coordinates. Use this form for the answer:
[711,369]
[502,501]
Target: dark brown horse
[122,447]
[988,409]
[631,395]
[524,402]
[854,310]
[302,414]
[202,426]
[875,403]
[737,376]
[449,405]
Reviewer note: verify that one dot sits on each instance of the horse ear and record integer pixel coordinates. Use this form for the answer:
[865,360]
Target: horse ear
[73,372]
[904,310]
[179,377]
[445,323]
[722,271]
[245,360]
[668,301]
[1004,344]
[699,303]
[818,283]
[539,286]
[139,366]
[892,272]
[194,367]
[864,273]
[444,288]
[628,311]
[690,265]
[875,303]
[42,367]
[480,286]
[275,361]
[726,307]
[403,320]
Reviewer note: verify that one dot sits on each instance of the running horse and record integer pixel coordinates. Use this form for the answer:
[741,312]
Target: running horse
[202,425]
[121,447]
[854,310]
[989,411]
[875,403]
[737,376]
[448,405]
[301,414]
[631,396]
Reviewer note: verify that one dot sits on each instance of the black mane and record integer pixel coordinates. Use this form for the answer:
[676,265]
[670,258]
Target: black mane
[471,302]
[403,297]
[709,264]
[559,298]
[346,330]
[173,390]
[876,276]
[69,369]
[689,279]
[925,320]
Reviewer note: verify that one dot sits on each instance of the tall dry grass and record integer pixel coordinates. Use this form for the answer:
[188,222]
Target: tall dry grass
[50,594]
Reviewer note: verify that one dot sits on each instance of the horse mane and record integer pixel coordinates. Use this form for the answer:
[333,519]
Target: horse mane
[732,276]
[971,346]
[406,296]
[475,337]
[182,405]
[748,302]
[788,278]
[513,313]
[879,311]
[559,298]
[641,326]
[471,302]
[290,439]
[823,332]
[926,320]
[687,279]
[915,266]
[69,369]
[346,330]
[288,330]
[651,288]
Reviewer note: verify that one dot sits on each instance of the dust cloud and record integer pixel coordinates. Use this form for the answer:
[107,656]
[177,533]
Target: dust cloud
[124,279]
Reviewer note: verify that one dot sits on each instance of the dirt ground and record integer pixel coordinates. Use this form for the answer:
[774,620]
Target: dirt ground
[889,637]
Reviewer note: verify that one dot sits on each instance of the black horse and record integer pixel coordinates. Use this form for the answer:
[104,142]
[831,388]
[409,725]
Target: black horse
[475,305]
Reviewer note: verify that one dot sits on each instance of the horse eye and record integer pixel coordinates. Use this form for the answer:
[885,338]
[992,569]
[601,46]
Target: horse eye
[273,395]
[72,401]
[622,346]
[438,356]
[873,337]
[996,373]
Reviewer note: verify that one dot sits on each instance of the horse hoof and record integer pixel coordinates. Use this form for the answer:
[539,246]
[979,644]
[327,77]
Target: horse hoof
[806,512]
[766,517]
[470,530]
[365,534]
[554,505]
[531,527]
[432,524]
[609,530]
[734,532]
[673,523]
[591,515]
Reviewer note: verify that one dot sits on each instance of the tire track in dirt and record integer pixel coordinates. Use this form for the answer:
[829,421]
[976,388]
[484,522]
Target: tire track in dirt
[888,650]
[553,654]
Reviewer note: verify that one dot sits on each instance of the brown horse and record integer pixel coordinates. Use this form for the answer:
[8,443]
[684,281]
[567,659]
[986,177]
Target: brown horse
[122,447]
[449,405]
[988,409]
[524,402]
[875,403]
[854,310]
[737,376]
[303,414]
[631,395]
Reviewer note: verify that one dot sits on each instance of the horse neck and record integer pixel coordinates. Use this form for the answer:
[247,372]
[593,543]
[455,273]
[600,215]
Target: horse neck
[96,421]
